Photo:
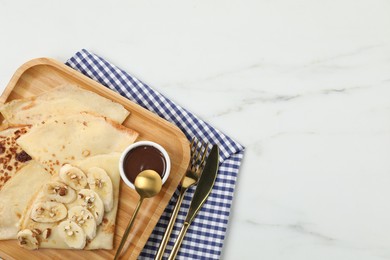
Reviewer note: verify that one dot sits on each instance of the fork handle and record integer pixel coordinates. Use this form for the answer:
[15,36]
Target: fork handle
[168,231]
[178,241]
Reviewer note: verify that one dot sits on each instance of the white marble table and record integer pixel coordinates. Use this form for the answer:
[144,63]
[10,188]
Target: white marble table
[304,85]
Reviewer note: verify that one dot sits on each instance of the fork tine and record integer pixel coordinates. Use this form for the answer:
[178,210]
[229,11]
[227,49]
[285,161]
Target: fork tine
[199,151]
[201,156]
[194,145]
[206,149]
[204,155]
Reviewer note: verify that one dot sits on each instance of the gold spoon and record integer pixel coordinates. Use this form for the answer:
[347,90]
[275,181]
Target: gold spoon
[147,184]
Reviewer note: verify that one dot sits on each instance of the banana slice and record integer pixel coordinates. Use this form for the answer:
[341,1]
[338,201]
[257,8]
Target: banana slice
[91,200]
[82,217]
[73,235]
[48,212]
[100,182]
[27,239]
[73,176]
[59,192]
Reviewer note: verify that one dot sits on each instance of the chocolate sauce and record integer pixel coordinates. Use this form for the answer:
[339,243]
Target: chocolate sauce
[23,157]
[144,157]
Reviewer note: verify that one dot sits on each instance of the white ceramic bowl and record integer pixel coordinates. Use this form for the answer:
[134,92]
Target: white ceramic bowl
[141,143]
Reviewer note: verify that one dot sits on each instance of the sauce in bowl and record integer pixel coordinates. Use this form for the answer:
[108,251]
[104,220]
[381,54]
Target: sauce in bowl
[144,157]
[141,156]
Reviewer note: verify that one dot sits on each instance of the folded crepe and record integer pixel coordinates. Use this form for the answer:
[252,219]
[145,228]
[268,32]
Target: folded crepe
[64,100]
[72,138]
[16,194]
[69,220]
[12,156]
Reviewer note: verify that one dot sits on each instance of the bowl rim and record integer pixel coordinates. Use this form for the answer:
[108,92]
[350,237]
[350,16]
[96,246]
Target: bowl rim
[146,143]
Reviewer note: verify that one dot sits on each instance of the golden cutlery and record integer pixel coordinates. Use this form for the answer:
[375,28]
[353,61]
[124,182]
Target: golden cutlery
[191,178]
[205,184]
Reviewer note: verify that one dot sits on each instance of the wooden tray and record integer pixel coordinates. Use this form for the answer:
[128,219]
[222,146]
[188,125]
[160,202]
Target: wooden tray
[40,75]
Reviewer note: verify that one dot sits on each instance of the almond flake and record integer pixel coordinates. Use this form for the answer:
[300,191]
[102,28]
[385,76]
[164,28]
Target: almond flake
[37,231]
[46,233]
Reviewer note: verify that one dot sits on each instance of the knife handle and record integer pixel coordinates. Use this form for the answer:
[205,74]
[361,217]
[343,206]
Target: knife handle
[171,223]
[178,241]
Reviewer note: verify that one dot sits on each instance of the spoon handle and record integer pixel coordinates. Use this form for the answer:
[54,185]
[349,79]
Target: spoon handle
[168,231]
[127,231]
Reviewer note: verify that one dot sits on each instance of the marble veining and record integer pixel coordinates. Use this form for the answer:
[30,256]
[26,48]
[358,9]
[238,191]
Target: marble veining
[298,227]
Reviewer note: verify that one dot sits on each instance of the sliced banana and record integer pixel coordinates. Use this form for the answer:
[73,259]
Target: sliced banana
[73,235]
[59,192]
[27,239]
[100,182]
[48,212]
[82,217]
[91,200]
[73,176]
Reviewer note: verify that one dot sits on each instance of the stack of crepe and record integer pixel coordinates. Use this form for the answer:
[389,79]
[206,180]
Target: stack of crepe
[59,179]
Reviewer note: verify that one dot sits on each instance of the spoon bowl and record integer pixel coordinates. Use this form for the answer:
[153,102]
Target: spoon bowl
[148,184]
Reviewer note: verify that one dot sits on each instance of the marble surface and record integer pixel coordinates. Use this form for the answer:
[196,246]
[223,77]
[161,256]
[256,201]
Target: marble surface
[304,85]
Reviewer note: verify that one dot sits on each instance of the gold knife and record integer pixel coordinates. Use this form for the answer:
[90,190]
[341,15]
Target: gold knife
[202,191]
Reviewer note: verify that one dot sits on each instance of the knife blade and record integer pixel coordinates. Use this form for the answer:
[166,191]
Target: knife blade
[205,184]
[202,191]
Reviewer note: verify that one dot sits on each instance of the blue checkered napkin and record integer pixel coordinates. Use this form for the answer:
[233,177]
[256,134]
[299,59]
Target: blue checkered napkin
[204,239]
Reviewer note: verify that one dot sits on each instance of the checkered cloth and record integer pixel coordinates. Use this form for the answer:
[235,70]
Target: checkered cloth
[204,239]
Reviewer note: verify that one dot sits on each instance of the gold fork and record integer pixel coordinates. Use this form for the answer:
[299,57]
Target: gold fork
[191,178]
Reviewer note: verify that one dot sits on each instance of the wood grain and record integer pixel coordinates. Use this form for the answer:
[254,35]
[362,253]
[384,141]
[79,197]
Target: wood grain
[43,74]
